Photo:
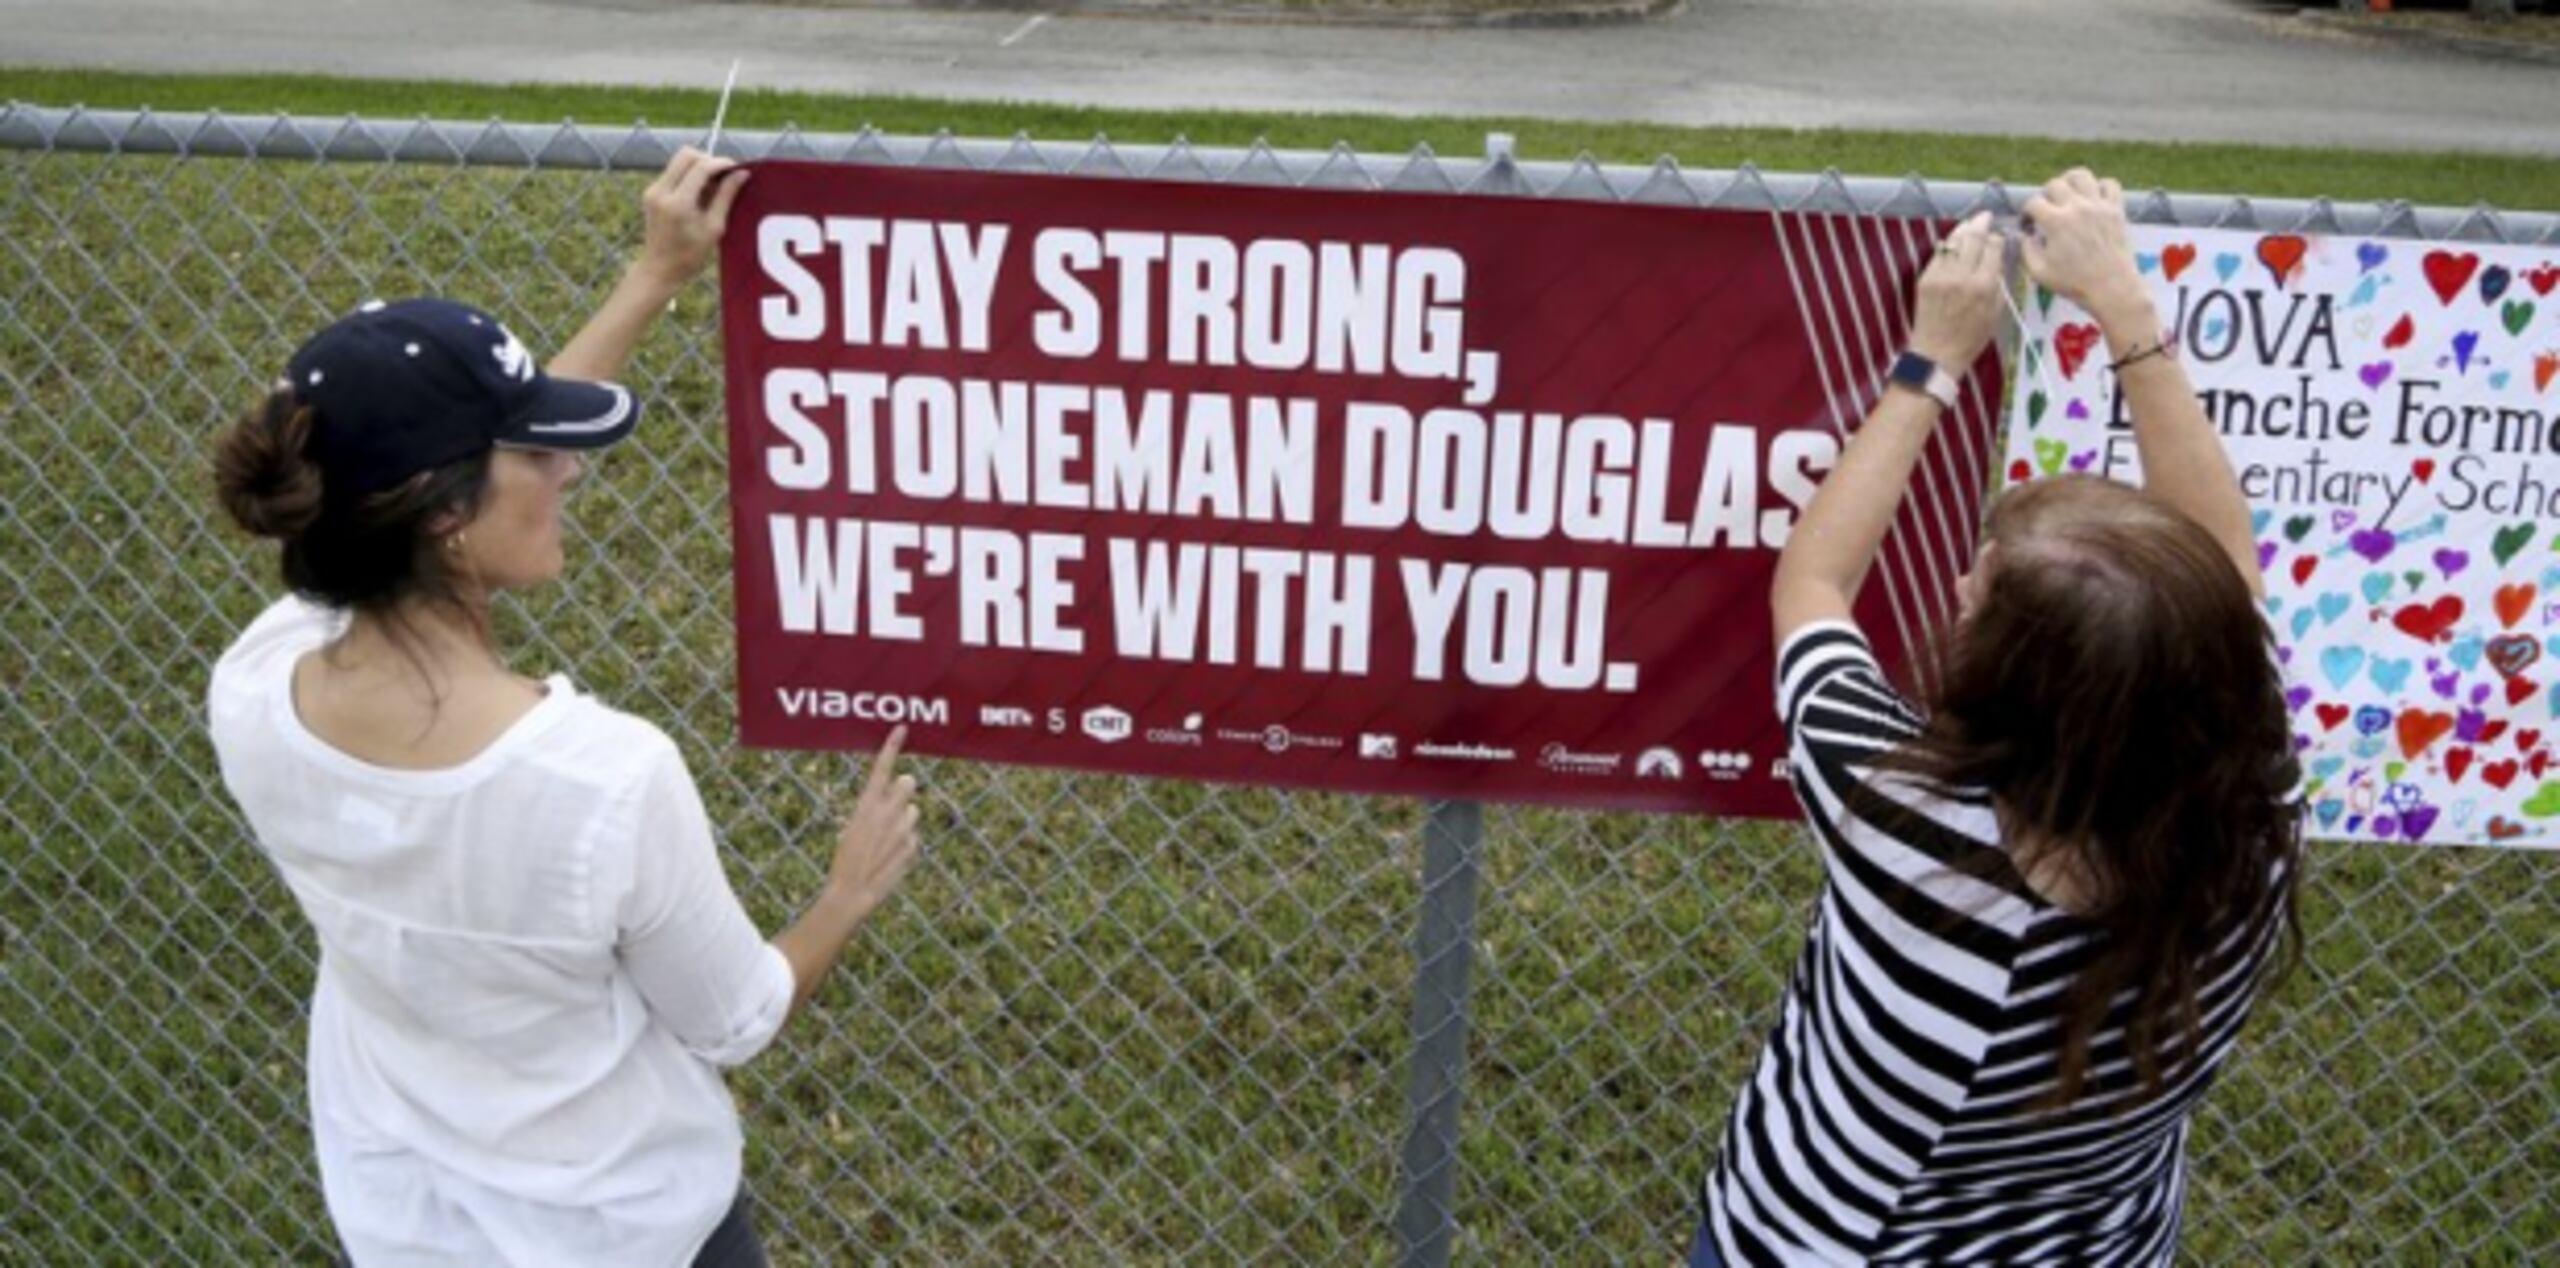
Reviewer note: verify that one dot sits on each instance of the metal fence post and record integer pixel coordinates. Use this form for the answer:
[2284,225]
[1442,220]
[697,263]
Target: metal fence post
[1444,955]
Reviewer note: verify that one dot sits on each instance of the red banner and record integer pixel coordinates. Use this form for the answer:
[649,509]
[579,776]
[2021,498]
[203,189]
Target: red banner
[1420,494]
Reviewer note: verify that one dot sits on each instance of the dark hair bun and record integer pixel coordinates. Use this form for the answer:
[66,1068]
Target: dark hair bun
[267,480]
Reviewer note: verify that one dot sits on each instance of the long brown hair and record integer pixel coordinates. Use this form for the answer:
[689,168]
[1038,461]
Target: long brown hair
[2115,689]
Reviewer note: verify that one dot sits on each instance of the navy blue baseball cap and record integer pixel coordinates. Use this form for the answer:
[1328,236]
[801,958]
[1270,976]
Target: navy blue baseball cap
[400,388]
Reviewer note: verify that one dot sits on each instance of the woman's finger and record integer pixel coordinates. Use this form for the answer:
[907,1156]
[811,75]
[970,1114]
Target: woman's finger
[731,181]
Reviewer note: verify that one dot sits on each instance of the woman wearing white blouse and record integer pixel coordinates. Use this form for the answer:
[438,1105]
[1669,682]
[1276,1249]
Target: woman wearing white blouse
[531,966]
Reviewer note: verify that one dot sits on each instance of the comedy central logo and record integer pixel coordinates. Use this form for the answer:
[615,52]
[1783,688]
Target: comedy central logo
[1107,724]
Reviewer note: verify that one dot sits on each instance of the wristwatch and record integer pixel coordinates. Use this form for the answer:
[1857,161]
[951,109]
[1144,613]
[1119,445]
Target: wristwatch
[1921,374]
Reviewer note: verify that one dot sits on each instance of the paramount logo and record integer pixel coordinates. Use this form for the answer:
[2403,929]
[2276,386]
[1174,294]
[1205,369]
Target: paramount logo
[1556,757]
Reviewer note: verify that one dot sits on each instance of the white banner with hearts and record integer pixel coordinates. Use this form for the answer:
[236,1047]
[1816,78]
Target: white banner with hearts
[2392,408]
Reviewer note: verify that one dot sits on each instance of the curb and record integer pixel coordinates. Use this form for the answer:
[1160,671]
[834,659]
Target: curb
[2332,21]
[1584,13]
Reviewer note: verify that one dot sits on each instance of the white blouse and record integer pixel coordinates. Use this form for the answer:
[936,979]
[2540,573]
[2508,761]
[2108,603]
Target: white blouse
[531,968]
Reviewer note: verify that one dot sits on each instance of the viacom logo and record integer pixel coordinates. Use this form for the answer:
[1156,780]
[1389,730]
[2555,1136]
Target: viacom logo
[1107,724]
[869,706]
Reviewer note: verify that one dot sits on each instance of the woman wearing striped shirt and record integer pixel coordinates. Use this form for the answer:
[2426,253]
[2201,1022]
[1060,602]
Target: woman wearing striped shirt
[2055,887]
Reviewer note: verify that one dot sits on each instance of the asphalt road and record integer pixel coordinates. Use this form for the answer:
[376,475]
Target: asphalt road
[2152,69]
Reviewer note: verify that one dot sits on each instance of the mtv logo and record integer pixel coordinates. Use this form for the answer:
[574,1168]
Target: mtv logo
[1107,724]
[1378,747]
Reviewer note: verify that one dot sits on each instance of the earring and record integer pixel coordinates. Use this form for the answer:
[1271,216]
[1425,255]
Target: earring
[454,543]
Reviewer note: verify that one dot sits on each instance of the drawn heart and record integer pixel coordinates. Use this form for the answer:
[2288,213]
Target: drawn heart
[2330,715]
[2376,585]
[2500,774]
[2370,255]
[2020,472]
[2511,541]
[2498,381]
[2072,344]
[2372,543]
[2520,690]
[2419,728]
[2545,365]
[2528,739]
[2449,271]
[2448,560]
[2512,654]
[2366,290]
[2332,606]
[2491,731]
[2399,796]
[2493,283]
[2341,664]
[2413,580]
[2465,344]
[2371,719]
[2144,261]
[2457,763]
[2329,811]
[2401,332]
[2390,675]
[2537,764]
[2341,521]
[2468,725]
[2443,684]
[2513,602]
[2302,565]
[2542,279]
[2296,526]
[2082,460]
[2424,469]
[2225,264]
[2050,455]
[2502,828]
[2428,622]
[2415,821]
[2302,622]
[2295,698]
[2282,254]
[2175,257]
[2465,652]
[2515,315]
[2545,802]
[2035,407]
[2374,373]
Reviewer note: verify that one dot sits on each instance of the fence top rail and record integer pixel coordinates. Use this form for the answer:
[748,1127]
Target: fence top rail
[638,146]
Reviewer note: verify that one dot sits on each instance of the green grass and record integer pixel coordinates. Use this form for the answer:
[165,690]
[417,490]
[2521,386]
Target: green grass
[1110,1021]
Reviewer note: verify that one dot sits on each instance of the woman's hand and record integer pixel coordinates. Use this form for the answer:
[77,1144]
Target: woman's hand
[1958,307]
[878,841]
[684,212]
[2079,249]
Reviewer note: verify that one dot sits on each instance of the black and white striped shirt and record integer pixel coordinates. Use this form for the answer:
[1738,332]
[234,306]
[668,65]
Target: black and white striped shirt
[1896,1113]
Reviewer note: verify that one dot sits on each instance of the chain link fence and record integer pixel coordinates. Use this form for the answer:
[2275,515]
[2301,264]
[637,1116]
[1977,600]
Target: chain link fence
[1111,1020]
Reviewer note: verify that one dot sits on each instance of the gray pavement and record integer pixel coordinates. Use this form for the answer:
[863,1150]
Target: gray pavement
[2203,70]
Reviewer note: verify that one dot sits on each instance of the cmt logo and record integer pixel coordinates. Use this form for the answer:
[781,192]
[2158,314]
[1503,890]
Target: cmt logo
[868,706]
[1107,724]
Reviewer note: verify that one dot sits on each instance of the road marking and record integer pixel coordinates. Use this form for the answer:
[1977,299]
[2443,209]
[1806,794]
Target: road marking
[1033,24]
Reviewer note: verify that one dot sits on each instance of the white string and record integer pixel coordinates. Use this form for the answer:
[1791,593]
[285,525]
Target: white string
[1931,482]
[1978,462]
[1926,589]
[1823,367]
[722,115]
